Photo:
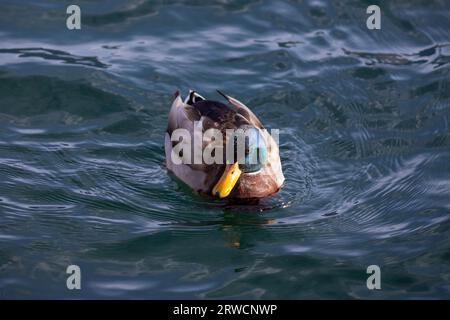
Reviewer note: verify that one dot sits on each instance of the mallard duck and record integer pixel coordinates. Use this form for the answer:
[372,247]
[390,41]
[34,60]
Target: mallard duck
[257,173]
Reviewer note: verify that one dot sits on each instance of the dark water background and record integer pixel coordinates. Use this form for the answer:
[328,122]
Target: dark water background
[365,144]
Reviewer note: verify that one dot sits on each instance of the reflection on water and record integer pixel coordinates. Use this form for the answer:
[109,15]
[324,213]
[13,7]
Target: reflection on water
[432,55]
[58,55]
[364,120]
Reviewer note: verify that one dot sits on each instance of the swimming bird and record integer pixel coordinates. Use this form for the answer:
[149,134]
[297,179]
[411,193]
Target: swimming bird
[247,162]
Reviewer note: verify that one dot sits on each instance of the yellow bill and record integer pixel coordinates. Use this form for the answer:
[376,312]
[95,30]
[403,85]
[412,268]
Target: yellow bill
[227,181]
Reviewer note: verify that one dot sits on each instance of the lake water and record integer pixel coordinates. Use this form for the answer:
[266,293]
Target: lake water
[364,117]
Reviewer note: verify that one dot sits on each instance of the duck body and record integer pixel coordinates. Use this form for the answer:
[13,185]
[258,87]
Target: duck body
[257,173]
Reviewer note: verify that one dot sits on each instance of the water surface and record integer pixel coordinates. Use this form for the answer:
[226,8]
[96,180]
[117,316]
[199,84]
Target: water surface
[365,145]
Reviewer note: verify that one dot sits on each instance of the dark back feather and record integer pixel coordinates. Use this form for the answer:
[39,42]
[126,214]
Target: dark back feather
[220,113]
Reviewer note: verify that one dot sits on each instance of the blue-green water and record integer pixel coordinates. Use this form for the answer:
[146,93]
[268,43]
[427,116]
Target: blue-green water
[365,144]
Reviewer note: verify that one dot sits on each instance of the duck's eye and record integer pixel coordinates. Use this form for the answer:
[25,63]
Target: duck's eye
[255,159]
[249,148]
